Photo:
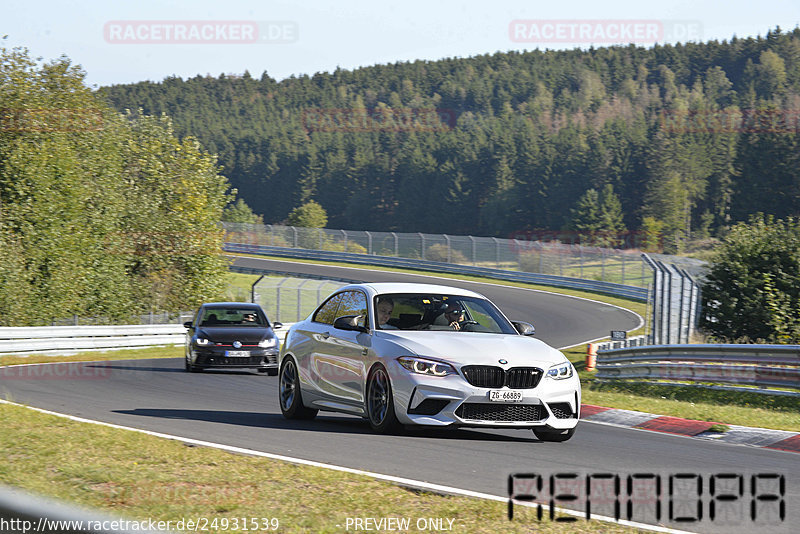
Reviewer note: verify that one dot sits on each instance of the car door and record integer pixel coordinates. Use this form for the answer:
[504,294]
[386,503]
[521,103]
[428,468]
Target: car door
[338,361]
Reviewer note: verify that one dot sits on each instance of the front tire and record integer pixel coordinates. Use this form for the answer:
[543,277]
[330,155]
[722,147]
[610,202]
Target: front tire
[188,366]
[552,434]
[380,402]
[289,395]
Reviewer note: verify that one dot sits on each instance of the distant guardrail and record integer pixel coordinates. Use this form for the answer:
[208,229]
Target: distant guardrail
[608,288]
[60,339]
[757,366]
[23,340]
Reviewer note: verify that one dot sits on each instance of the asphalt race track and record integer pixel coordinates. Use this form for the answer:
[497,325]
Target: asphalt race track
[241,409]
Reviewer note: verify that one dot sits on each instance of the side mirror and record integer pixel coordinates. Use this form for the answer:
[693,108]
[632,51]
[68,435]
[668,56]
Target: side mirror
[526,329]
[187,324]
[276,325]
[349,322]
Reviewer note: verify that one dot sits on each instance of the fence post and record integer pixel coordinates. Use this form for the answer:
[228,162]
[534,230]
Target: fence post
[447,240]
[422,240]
[472,240]
[320,232]
[497,251]
[369,242]
[295,236]
[396,245]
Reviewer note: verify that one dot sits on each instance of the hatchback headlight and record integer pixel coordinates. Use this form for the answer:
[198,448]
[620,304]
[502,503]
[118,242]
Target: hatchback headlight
[423,366]
[268,343]
[560,371]
[202,341]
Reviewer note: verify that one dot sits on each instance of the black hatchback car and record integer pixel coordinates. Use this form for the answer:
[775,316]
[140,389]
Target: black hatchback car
[232,335]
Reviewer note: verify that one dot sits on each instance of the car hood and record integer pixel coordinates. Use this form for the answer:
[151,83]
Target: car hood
[465,348]
[229,334]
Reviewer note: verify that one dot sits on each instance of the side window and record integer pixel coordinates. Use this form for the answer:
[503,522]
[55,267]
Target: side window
[354,303]
[327,312]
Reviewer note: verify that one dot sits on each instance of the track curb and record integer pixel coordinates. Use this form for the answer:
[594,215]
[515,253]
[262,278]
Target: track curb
[781,440]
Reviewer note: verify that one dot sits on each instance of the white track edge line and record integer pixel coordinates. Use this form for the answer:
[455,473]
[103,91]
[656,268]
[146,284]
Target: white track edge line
[311,463]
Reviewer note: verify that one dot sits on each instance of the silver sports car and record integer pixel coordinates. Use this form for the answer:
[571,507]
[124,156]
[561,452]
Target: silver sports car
[418,354]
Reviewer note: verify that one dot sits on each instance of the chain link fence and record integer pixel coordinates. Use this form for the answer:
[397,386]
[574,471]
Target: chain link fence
[291,299]
[556,256]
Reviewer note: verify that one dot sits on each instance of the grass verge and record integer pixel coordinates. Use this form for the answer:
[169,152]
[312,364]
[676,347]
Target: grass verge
[690,402]
[138,476]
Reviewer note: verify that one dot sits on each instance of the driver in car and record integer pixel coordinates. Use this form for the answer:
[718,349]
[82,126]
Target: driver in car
[454,315]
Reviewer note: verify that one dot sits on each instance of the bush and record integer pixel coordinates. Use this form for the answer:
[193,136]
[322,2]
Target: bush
[438,253]
[752,291]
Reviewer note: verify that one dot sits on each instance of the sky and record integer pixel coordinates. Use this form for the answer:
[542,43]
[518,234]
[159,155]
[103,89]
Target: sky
[129,41]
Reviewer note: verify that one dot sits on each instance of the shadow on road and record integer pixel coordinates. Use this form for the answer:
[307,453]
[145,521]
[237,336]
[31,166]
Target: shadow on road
[331,424]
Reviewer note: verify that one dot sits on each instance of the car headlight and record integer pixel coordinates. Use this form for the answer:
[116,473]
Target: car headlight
[426,367]
[202,341]
[560,371]
[268,343]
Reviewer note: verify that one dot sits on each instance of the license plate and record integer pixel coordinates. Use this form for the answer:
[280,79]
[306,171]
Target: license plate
[237,354]
[505,395]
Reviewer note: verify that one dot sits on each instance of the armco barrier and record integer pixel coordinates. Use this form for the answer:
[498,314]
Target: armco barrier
[60,339]
[609,288]
[745,365]
[23,340]
[21,511]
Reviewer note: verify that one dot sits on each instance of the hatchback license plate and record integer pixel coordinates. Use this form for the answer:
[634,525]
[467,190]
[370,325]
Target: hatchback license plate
[237,354]
[505,395]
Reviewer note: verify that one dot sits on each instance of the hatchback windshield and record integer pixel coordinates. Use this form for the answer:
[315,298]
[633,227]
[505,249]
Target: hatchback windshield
[232,317]
[423,311]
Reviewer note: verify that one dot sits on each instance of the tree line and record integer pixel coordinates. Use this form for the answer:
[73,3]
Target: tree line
[686,139]
[102,214]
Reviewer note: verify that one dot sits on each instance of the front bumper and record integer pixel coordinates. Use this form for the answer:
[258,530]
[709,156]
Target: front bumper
[216,358]
[452,401]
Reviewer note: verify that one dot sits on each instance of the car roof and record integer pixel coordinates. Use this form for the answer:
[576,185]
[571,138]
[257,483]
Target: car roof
[382,288]
[231,305]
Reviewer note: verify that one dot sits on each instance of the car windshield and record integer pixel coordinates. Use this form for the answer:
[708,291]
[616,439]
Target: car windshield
[425,312]
[232,317]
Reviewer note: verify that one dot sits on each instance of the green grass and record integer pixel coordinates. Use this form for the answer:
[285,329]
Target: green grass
[141,476]
[691,402]
[137,476]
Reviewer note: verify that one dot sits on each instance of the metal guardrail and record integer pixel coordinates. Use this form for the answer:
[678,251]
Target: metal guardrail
[750,365]
[23,512]
[62,339]
[22,340]
[609,288]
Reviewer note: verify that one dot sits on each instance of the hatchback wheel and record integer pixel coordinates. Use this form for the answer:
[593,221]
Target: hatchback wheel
[551,434]
[289,393]
[188,365]
[380,402]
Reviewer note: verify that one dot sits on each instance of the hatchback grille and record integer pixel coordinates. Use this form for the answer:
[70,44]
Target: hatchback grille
[490,376]
[500,412]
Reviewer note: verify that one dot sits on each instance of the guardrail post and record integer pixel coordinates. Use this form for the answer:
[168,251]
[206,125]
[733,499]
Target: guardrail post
[472,240]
